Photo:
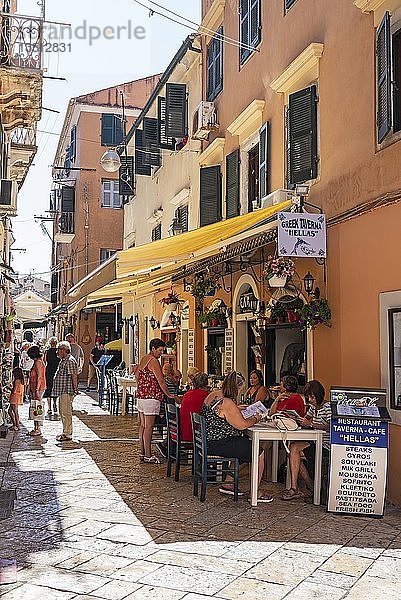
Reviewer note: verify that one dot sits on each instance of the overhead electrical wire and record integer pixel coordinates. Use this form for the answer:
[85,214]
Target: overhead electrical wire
[198,29]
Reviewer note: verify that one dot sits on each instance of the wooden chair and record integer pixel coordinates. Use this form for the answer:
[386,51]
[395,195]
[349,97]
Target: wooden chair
[175,446]
[204,465]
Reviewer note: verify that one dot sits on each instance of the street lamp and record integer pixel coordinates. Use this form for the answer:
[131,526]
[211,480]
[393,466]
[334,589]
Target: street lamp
[153,323]
[110,161]
[309,282]
[175,227]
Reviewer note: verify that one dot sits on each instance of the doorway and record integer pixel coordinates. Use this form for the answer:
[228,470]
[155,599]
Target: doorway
[285,353]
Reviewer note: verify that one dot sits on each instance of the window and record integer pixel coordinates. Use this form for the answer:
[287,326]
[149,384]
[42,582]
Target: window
[250,27]
[176,110]
[232,184]
[73,143]
[388,79]
[105,254]
[182,217]
[112,130]
[263,161]
[110,194]
[394,322]
[214,61]
[253,178]
[152,155]
[289,3]
[302,158]
[210,195]
[157,233]
[140,167]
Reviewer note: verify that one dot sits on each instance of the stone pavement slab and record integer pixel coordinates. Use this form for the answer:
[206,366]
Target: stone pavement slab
[92,521]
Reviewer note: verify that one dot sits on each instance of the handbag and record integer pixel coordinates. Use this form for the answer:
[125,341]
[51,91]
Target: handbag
[36,410]
[284,424]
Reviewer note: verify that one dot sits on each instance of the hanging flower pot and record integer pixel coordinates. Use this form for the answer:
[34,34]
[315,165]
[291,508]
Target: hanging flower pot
[172,306]
[292,316]
[277,281]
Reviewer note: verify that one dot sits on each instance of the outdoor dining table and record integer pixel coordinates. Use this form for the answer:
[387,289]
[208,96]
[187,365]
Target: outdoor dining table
[125,382]
[261,432]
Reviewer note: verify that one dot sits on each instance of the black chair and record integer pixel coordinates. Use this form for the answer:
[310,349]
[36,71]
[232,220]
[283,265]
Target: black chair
[175,446]
[205,466]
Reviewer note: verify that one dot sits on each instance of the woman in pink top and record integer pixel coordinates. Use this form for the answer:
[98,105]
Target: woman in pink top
[150,392]
[37,385]
[17,396]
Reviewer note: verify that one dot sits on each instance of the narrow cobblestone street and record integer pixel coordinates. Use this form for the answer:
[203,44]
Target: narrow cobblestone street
[91,521]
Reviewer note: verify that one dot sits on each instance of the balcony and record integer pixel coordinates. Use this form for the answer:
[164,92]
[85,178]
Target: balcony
[21,40]
[65,228]
[22,151]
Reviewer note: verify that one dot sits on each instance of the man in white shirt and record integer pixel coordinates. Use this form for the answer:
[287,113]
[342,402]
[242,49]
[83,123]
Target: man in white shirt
[26,364]
[76,351]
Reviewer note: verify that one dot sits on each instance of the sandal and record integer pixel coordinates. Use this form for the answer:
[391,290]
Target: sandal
[291,494]
[34,433]
[151,459]
[229,490]
[265,498]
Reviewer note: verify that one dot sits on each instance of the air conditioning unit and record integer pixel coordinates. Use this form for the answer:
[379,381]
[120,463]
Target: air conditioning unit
[277,197]
[204,121]
[8,196]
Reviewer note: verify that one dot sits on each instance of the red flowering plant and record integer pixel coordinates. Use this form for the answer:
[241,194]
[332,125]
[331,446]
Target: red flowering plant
[279,267]
[171,298]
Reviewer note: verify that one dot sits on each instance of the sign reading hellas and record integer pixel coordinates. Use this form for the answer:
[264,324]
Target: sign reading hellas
[302,234]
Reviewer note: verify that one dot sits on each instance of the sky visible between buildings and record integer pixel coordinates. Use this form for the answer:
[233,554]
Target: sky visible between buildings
[108,43]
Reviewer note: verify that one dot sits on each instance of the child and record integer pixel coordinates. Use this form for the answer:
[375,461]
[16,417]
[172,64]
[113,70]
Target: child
[16,397]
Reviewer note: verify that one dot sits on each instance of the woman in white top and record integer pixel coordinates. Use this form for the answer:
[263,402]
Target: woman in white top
[317,417]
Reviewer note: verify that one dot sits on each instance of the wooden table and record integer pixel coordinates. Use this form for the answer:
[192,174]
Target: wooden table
[259,433]
[125,382]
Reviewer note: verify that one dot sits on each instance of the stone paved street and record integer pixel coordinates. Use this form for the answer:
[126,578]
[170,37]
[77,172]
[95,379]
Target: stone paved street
[91,521]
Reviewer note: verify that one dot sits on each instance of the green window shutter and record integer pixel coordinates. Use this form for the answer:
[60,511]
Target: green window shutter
[383,69]
[214,65]
[67,199]
[157,233]
[118,130]
[210,195]
[107,130]
[183,217]
[176,110]
[126,177]
[73,143]
[150,139]
[140,167]
[164,142]
[244,29]
[263,161]
[232,184]
[302,122]
[255,24]
[289,3]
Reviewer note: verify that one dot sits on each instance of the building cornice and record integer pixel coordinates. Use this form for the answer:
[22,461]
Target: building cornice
[301,71]
[214,16]
[214,153]
[249,121]
[378,7]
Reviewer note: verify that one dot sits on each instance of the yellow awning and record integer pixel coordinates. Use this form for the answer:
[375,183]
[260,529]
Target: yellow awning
[96,279]
[185,246]
[115,345]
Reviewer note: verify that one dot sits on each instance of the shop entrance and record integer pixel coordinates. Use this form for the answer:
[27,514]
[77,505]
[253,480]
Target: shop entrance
[285,353]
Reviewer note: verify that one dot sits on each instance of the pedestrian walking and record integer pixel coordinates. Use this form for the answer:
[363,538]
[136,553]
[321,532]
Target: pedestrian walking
[16,397]
[51,361]
[37,386]
[76,351]
[26,365]
[65,387]
[151,388]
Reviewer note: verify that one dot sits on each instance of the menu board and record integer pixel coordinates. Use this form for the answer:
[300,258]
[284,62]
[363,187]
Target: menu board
[358,457]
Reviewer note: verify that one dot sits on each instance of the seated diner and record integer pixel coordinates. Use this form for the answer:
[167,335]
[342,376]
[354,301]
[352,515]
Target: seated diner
[257,391]
[317,416]
[288,399]
[192,401]
[225,425]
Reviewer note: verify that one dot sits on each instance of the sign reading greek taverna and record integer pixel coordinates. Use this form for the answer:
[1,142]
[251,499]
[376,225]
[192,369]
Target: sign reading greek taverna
[302,234]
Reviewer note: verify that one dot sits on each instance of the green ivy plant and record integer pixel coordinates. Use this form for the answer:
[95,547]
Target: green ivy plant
[316,312]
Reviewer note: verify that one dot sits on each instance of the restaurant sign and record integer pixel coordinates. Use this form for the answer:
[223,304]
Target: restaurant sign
[248,303]
[358,457]
[302,234]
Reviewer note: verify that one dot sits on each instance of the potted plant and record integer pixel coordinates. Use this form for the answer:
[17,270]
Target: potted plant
[277,270]
[203,320]
[172,300]
[316,312]
[278,313]
[293,310]
[204,285]
[170,347]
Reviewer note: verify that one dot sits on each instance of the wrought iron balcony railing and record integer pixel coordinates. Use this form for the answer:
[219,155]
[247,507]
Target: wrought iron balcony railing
[22,136]
[21,41]
[66,223]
